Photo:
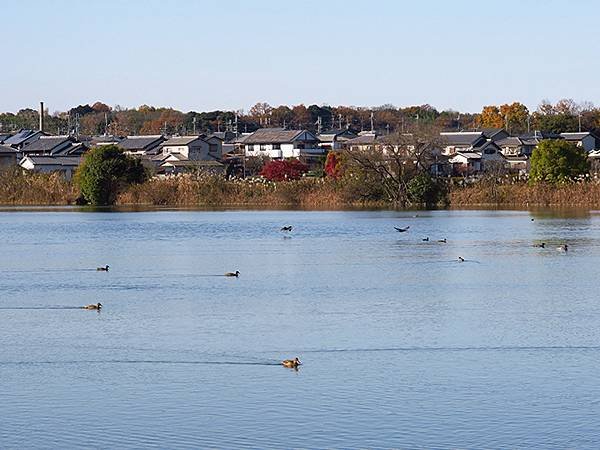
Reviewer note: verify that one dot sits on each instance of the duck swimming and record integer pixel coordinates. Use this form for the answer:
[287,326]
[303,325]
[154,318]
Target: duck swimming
[443,241]
[563,248]
[461,259]
[542,245]
[97,306]
[291,363]
[287,228]
[425,239]
[103,269]
[233,274]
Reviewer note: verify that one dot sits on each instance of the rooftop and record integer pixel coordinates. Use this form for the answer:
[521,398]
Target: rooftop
[47,143]
[462,137]
[54,160]
[141,142]
[273,136]
[181,140]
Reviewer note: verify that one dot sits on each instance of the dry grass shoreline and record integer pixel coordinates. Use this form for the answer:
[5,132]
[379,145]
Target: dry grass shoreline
[34,189]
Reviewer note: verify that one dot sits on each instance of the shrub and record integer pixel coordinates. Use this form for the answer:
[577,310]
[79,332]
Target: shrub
[105,171]
[284,170]
[557,161]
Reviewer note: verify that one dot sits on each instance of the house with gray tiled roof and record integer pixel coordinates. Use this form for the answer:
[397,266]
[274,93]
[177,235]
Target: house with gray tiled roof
[65,165]
[278,143]
[50,145]
[142,145]
[587,140]
[461,141]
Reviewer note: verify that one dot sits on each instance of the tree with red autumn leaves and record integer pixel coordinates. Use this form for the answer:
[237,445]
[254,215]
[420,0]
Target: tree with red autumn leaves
[334,165]
[284,170]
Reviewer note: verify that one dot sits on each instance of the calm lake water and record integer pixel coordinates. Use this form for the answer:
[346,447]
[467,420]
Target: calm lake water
[403,346]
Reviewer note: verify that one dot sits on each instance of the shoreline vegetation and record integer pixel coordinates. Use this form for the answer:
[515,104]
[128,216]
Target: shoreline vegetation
[37,189]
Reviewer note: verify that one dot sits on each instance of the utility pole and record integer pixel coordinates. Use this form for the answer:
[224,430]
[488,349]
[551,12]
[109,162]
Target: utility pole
[528,122]
[105,124]
[372,122]
[579,117]
[194,124]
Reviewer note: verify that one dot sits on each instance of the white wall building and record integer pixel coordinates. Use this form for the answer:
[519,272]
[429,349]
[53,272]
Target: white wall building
[278,143]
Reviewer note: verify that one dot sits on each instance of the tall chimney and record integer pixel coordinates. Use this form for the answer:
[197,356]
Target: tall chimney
[41,116]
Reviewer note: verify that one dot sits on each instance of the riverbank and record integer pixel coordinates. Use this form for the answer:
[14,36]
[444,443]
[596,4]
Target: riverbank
[35,189]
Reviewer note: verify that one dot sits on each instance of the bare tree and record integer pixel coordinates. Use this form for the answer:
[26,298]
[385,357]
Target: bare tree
[397,158]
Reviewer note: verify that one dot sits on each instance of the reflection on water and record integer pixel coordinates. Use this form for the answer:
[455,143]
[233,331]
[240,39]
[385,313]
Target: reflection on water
[402,345]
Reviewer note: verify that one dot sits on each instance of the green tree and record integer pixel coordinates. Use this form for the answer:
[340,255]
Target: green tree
[105,171]
[425,190]
[556,161]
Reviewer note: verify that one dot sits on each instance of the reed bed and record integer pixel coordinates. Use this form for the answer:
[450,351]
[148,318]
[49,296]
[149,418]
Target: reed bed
[585,193]
[25,188]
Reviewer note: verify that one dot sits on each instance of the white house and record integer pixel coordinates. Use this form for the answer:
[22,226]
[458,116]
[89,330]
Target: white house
[66,165]
[280,143]
[195,148]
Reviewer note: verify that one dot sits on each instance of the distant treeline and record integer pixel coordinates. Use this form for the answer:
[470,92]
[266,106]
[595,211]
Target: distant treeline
[99,118]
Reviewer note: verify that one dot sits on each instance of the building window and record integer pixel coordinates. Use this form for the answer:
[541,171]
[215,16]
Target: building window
[276,146]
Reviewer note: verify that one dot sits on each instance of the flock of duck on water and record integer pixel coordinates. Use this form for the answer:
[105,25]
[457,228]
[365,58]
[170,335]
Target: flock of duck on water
[289,363]
[294,363]
[561,248]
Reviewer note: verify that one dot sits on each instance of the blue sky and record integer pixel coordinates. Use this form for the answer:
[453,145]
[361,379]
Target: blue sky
[205,55]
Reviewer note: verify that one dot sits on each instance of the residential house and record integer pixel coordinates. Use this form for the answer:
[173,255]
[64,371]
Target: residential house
[8,156]
[23,138]
[335,139]
[66,165]
[461,141]
[278,143]
[195,148]
[587,140]
[53,146]
[478,159]
[518,145]
[4,136]
[142,145]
